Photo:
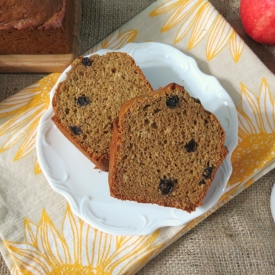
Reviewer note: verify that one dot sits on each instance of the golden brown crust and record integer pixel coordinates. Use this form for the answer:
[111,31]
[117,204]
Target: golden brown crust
[113,148]
[135,172]
[100,163]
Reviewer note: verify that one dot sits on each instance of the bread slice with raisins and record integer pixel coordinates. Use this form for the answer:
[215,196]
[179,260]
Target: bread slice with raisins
[89,99]
[166,149]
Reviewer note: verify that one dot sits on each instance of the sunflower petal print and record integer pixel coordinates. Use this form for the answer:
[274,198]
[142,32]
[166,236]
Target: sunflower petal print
[184,11]
[78,249]
[236,46]
[207,15]
[221,32]
[256,146]
[115,40]
[188,21]
[22,113]
[203,19]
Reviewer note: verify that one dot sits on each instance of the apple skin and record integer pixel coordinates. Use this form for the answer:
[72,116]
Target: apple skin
[258,18]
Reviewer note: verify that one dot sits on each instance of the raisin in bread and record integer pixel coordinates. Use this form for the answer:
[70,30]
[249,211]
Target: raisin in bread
[89,99]
[166,149]
[36,27]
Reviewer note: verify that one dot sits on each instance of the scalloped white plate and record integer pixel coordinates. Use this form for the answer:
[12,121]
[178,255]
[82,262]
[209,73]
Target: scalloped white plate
[272,202]
[71,174]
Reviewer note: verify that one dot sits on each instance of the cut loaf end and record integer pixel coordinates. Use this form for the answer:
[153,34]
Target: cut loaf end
[89,99]
[166,149]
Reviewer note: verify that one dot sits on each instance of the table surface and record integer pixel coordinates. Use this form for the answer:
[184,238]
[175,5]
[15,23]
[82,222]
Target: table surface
[238,238]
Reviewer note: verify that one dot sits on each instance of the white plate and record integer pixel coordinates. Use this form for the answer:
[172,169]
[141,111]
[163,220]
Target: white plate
[272,202]
[71,174]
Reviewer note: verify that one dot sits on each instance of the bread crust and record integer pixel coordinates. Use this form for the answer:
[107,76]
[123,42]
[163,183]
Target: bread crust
[101,163]
[114,149]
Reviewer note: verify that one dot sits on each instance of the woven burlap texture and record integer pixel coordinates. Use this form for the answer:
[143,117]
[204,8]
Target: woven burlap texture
[239,238]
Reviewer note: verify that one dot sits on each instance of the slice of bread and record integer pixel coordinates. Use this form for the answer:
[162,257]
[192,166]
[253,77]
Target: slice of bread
[166,149]
[89,99]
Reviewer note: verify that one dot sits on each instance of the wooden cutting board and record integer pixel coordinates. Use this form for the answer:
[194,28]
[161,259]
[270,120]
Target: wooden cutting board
[45,63]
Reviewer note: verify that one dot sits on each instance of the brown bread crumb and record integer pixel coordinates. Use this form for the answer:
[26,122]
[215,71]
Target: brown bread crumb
[90,98]
[148,145]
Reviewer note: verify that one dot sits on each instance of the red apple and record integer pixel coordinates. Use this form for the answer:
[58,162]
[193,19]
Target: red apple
[258,18]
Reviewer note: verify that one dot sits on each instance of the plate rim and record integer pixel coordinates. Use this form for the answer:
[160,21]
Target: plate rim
[272,202]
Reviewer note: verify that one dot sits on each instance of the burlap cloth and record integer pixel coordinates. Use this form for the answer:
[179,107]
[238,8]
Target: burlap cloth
[239,238]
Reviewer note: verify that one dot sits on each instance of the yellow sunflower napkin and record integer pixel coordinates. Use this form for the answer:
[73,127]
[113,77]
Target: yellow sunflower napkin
[39,232]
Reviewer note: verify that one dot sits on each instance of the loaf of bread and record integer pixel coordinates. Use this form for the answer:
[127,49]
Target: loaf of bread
[166,149]
[35,27]
[88,101]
